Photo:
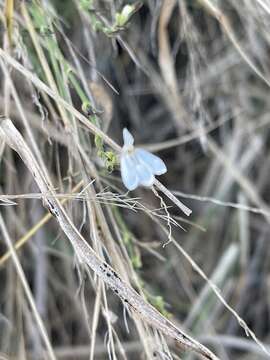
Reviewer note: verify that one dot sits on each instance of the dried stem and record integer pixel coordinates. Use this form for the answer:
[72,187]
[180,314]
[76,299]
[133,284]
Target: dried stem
[90,126]
[85,253]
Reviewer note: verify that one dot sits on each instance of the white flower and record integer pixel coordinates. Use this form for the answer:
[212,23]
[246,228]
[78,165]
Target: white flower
[138,166]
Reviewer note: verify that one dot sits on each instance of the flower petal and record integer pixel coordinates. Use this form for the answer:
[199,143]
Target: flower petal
[127,137]
[144,174]
[128,171]
[156,165]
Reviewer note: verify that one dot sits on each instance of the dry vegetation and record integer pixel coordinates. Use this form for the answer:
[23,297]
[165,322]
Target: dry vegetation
[84,272]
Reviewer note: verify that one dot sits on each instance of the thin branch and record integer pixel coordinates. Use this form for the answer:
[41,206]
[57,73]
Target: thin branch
[95,130]
[86,255]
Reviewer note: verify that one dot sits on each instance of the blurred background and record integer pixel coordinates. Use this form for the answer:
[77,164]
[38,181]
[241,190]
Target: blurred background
[190,80]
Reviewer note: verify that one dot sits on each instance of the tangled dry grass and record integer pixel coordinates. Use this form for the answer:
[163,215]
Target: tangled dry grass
[190,80]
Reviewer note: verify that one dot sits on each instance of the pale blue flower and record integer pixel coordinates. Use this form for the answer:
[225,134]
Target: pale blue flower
[138,166]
